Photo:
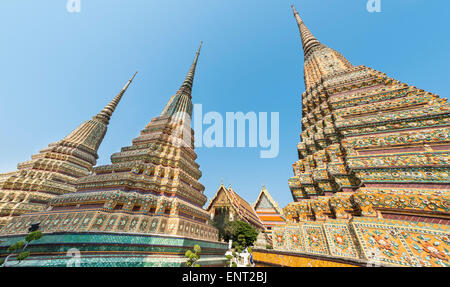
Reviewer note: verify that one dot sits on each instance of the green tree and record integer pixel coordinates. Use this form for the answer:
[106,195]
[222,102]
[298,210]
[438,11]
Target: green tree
[229,258]
[242,234]
[220,220]
[18,248]
[193,256]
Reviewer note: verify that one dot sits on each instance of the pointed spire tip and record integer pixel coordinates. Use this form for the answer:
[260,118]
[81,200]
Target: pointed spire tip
[309,42]
[134,75]
[200,47]
[293,8]
[106,113]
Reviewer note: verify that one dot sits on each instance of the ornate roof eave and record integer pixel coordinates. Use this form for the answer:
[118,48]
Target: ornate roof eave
[234,194]
[229,194]
[215,196]
[222,187]
[271,200]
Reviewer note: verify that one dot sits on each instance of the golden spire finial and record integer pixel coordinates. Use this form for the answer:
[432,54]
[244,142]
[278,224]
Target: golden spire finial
[296,15]
[178,104]
[308,40]
[190,76]
[108,110]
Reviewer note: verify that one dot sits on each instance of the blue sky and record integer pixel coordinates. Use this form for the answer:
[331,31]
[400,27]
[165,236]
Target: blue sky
[58,69]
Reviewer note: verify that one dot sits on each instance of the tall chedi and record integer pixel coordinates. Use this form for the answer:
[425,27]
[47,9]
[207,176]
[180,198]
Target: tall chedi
[146,205]
[372,180]
[55,169]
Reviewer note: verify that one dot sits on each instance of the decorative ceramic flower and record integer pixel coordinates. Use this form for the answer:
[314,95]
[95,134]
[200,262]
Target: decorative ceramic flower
[340,240]
[414,203]
[314,238]
[383,243]
[433,251]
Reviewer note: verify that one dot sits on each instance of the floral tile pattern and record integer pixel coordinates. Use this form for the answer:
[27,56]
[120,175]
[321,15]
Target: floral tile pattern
[373,240]
[340,241]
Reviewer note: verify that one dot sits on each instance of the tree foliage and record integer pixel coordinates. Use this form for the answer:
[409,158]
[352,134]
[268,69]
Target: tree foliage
[220,220]
[229,258]
[23,255]
[18,248]
[242,234]
[35,235]
[193,256]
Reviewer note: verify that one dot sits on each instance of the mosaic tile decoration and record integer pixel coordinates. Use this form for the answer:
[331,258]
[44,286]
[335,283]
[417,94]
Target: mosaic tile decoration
[405,245]
[340,240]
[115,250]
[376,241]
[315,240]
[273,258]
[294,238]
[40,179]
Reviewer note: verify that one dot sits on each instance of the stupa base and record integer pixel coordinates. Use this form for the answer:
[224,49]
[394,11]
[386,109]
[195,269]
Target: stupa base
[70,249]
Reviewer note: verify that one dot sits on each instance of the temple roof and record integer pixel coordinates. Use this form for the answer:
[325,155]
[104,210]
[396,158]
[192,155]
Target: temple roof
[245,211]
[267,208]
[265,195]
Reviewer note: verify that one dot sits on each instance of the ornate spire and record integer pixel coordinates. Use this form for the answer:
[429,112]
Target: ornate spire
[108,110]
[181,101]
[90,133]
[320,60]
[188,82]
[308,40]
[55,170]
